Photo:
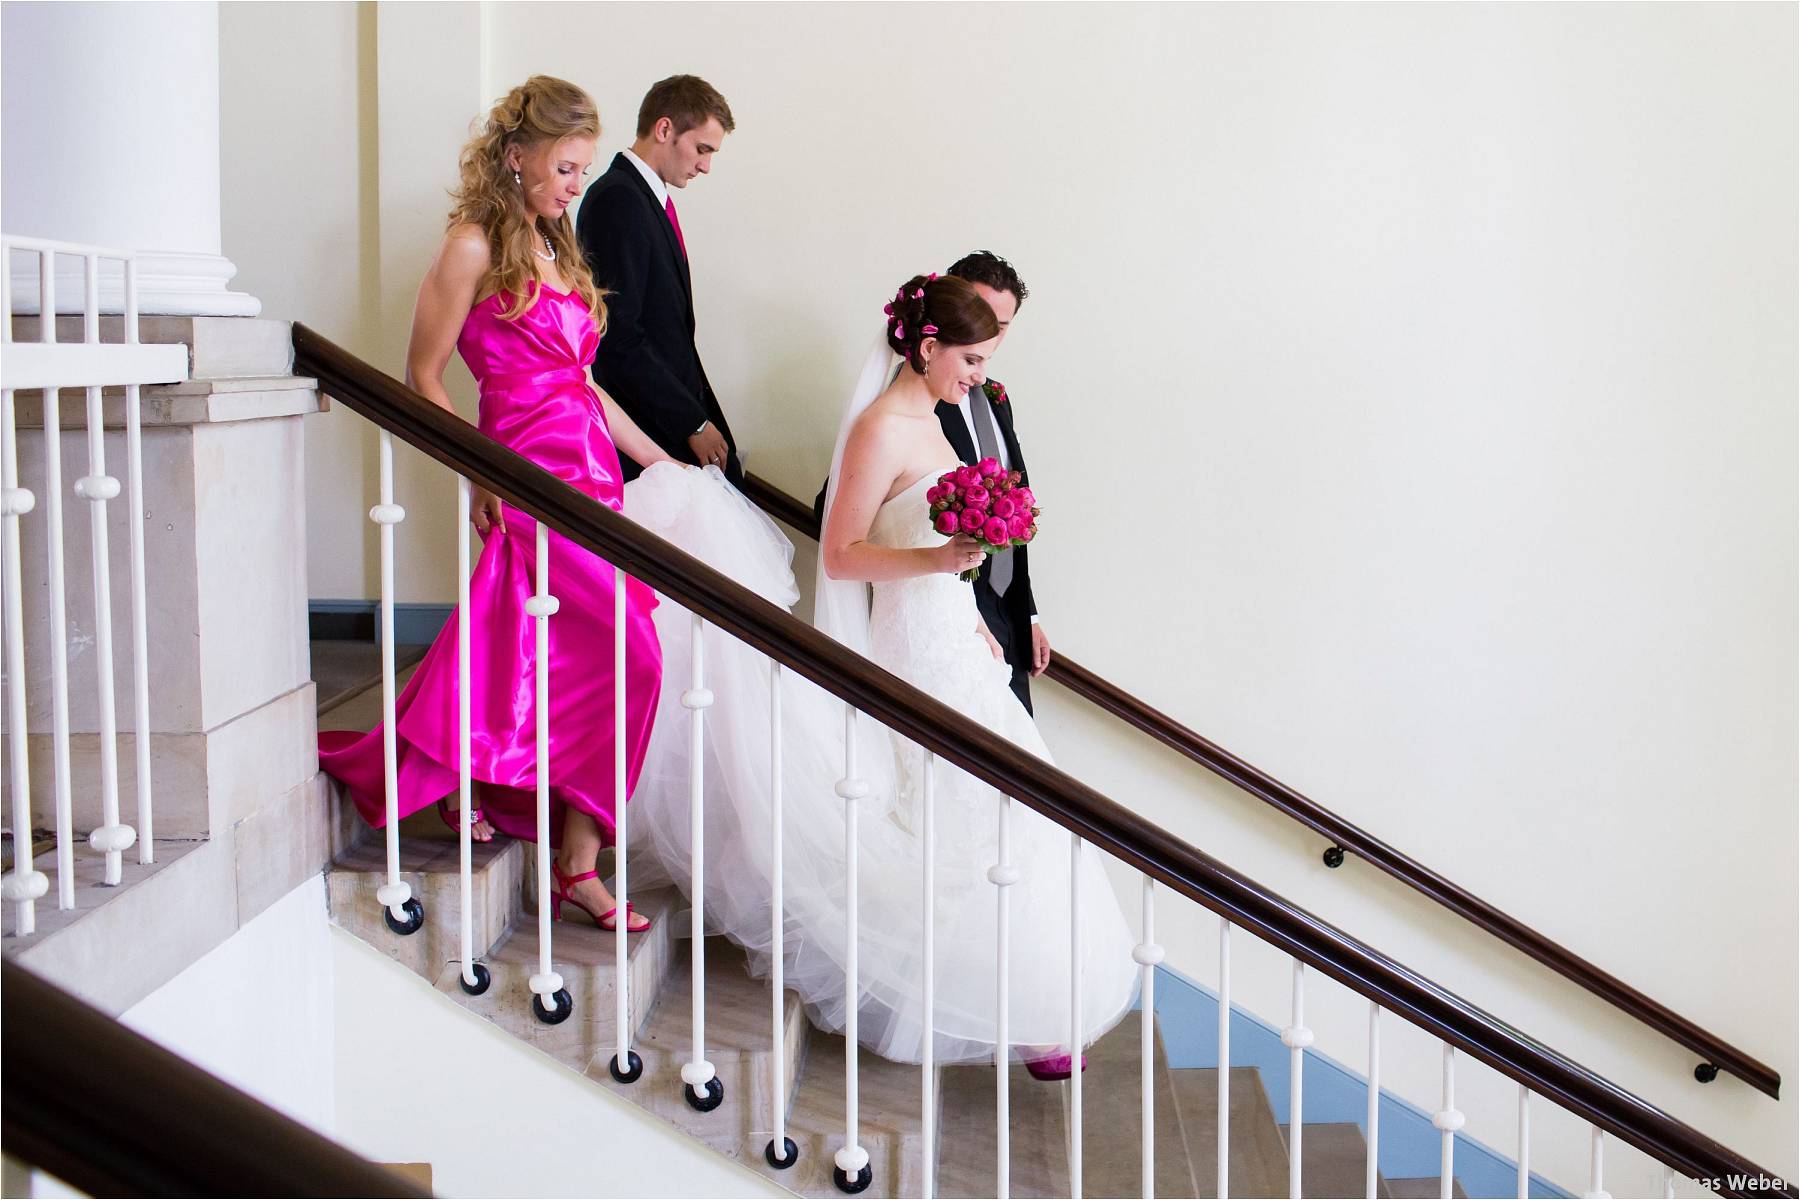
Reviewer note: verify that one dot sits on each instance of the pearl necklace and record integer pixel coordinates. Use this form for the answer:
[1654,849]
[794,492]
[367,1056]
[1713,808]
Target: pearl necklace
[548,253]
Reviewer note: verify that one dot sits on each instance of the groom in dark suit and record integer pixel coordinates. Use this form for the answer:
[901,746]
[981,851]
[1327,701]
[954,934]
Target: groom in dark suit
[981,426]
[632,238]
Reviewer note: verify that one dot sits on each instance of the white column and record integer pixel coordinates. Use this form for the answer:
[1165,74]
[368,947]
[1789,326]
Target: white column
[111,127]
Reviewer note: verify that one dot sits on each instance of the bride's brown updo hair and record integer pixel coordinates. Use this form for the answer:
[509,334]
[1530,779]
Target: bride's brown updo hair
[940,306]
[542,109]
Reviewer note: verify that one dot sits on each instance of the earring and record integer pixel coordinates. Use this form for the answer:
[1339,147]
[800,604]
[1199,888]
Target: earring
[517,179]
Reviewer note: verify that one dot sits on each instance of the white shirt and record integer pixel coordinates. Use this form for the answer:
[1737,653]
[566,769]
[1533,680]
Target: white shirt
[657,186]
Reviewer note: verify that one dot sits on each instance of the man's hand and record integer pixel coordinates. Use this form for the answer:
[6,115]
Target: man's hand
[1040,650]
[709,446]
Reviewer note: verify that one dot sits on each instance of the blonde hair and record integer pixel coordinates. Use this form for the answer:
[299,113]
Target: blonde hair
[542,109]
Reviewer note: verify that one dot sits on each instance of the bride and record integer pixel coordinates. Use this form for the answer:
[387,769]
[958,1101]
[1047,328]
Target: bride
[887,588]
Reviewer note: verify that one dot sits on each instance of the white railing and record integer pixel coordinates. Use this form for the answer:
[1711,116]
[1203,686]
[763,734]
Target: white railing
[853,1167]
[705,1090]
[48,365]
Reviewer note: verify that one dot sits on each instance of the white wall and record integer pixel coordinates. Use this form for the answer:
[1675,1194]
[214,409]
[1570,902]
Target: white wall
[1458,344]
[265,989]
[423,1080]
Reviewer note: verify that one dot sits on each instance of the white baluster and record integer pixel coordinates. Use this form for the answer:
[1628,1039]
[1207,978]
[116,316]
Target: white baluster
[140,611]
[1524,1142]
[927,1097]
[853,1172]
[1668,1183]
[1447,1121]
[705,1091]
[475,977]
[549,1002]
[780,1153]
[97,487]
[59,627]
[1147,954]
[1003,875]
[1296,1037]
[1596,1164]
[1224,1133]
[1075,1071]
[404,914]
[1373,1157]
[26,883]
[626,1066]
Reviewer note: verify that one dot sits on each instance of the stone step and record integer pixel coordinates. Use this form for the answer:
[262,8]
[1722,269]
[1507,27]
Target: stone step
[889,1126]
[585,956]
[968,1149]
[1113,1118]
[1426,1188]
[344,668]
[1258,1153]
[218,347]
[1334,1159]
[429,861]
[738,1044]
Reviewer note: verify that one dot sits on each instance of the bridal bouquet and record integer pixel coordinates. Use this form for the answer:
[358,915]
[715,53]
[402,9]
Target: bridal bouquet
[989,504]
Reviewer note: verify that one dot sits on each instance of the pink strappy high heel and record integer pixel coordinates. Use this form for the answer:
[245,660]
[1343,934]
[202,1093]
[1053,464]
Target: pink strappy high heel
[608,920]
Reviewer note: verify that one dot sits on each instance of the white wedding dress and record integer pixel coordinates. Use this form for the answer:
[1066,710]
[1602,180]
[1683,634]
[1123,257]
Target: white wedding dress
[925,631]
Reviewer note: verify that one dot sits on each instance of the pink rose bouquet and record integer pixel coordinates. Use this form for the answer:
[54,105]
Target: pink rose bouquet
[989,504]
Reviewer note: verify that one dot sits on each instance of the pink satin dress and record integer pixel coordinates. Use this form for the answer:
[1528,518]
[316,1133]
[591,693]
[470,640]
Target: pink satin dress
[535,399]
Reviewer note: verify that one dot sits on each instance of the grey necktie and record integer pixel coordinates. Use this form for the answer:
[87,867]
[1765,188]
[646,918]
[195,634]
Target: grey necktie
[1001,575]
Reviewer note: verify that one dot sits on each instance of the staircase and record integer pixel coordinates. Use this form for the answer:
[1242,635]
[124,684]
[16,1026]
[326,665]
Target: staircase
[739,1042]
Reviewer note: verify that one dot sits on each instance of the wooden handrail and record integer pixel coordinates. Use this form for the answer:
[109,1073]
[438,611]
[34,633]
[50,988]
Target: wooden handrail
[934,726]
[106,1109]
[1715,1052]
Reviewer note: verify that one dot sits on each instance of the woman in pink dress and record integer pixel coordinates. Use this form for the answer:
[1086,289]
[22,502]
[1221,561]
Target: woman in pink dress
[510,291]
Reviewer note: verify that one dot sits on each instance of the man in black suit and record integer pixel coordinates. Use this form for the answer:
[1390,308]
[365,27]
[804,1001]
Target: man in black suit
[981,426]
[632,239]
[978,427]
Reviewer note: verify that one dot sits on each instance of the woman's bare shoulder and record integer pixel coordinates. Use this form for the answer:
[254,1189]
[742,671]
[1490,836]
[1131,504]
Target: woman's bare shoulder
[465,248]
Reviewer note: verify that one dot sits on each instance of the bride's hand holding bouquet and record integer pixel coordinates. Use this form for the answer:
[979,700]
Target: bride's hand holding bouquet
[985,503]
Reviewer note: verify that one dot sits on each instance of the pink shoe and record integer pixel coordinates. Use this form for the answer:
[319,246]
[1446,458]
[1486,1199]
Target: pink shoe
[1056,1067]
[608,920]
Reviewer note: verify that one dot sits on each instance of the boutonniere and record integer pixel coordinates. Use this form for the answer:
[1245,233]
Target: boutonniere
[996,391]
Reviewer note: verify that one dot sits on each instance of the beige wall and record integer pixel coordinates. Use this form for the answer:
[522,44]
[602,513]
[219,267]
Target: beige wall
[1411,389]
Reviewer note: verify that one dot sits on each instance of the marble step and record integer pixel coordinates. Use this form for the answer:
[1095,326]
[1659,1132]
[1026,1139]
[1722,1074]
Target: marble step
[739,1044]
[1258,1153]
[218,347]
[430,860]
[585,956]
[344,668]
[1334,1159]
[968,1151]
[889,1126]
[1113,1118]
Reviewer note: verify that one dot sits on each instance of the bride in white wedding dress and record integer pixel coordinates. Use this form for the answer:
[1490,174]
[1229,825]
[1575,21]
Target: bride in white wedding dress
[887,588]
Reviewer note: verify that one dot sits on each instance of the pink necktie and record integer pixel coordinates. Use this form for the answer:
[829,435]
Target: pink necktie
[670,209]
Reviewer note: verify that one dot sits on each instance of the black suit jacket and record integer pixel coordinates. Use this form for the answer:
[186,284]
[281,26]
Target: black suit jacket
[647,360]
[1008,617]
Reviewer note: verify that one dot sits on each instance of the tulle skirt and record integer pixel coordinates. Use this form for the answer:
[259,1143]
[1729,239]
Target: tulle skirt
[701,513]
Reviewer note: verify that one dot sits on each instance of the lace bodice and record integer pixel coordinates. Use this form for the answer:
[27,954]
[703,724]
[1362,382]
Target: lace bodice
[925,629]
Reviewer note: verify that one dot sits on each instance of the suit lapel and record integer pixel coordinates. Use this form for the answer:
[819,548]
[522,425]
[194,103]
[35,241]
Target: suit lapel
[661,217]
[956,431]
